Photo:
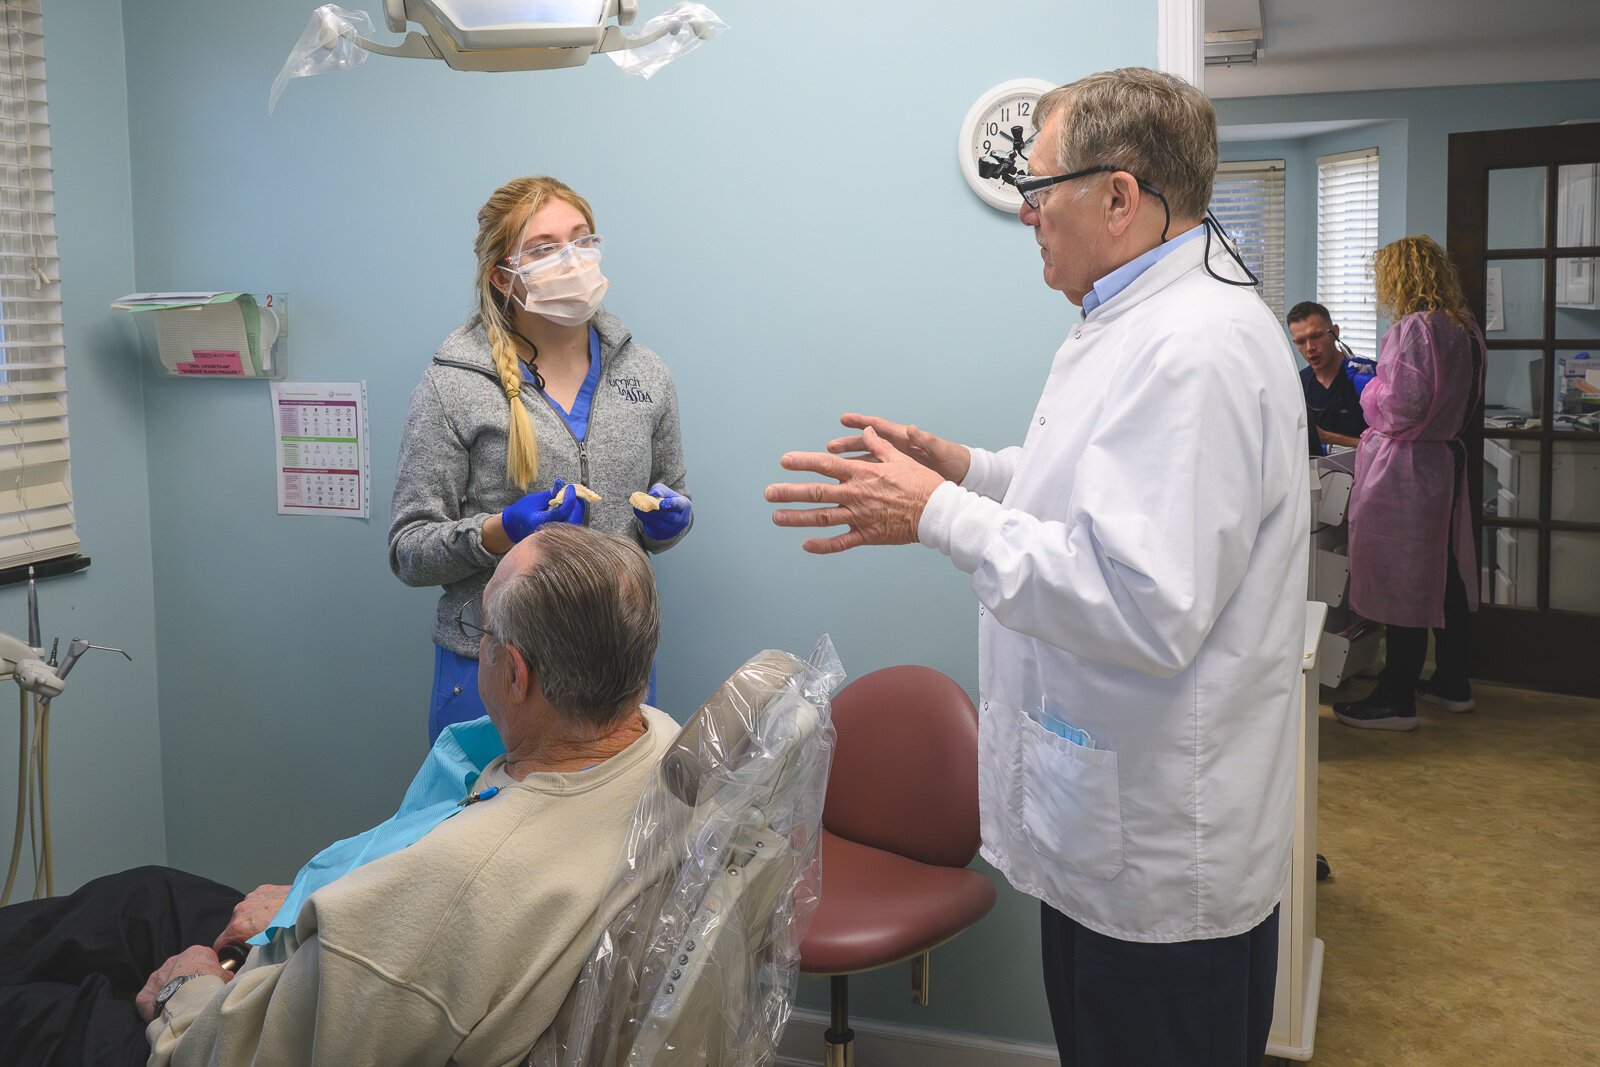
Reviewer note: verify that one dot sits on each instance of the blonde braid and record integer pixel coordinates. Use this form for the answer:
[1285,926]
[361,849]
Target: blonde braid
[522,444]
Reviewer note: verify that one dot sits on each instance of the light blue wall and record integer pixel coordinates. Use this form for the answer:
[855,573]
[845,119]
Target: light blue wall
[786,224]
[105,756]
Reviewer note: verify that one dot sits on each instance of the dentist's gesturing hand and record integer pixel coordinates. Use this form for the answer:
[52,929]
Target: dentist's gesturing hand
[879,498]
[945,458]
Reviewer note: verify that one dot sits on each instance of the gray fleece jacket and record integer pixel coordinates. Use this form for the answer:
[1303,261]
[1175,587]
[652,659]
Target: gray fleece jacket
[452,469]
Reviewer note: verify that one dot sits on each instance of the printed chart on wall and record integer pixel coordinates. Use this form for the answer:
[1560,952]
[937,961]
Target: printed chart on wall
[323,454]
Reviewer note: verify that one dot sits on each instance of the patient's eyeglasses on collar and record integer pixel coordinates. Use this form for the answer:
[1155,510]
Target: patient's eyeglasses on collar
[471,623]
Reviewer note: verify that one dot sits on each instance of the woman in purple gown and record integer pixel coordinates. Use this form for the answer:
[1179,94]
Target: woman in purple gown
[1413,564]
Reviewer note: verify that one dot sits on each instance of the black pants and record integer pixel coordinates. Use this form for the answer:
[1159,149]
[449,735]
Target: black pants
[71,966]
[1120,1003]
[1408,649]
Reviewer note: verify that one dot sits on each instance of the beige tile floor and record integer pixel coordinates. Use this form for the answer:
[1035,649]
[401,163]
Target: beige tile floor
[1462,920]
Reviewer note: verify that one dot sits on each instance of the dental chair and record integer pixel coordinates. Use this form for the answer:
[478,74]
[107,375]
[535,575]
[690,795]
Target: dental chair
[718,875]
[899,828]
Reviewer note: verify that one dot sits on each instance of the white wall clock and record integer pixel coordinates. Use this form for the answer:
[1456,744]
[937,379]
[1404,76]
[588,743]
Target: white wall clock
[990,134]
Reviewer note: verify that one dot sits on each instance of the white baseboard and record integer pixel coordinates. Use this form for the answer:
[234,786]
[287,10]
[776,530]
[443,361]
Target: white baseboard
[887,1045]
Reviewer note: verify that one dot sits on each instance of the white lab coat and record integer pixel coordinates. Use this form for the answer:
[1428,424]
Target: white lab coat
[1141,565]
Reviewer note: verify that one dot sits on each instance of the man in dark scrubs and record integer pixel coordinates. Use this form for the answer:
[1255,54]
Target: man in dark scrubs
[1332,377]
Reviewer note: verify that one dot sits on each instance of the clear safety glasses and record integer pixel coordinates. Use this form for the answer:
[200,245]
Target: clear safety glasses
[533,258]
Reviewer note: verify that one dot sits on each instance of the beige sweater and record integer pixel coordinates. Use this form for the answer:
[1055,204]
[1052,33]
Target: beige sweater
[457,950]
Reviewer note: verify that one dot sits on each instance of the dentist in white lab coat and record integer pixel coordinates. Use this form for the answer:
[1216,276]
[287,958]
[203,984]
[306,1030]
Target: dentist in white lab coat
[1140,566]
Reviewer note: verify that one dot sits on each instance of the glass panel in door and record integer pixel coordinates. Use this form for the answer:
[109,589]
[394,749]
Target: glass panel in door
[1509,566]
[1515,299]
[1575,571]
[1516,207]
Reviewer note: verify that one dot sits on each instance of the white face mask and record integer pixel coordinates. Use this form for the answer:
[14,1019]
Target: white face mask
[565,288]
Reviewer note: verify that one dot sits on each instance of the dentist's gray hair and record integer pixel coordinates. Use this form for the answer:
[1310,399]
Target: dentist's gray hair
[1155,126]
[585,617]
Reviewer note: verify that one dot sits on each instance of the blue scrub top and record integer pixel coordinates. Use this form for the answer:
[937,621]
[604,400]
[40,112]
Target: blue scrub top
[1336,408]
[578,417]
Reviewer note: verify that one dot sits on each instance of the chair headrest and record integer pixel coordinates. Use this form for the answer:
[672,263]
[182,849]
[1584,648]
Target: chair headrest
[716,739]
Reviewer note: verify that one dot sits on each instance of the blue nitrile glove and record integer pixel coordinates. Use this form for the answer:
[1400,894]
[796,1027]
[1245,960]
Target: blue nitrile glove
[534,510]
[1360,372]
[669,520]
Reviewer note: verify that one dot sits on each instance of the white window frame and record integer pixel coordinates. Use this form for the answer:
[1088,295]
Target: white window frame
[1247,197]
[37,522]
[1347,237]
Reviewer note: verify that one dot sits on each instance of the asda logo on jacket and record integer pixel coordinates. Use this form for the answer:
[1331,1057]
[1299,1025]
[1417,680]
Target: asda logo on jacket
[631,390]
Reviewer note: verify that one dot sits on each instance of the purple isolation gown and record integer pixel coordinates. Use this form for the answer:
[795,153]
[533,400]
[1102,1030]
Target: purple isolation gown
[1409,504]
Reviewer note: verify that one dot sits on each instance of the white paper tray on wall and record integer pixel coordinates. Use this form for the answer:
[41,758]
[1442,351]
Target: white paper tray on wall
[235,336]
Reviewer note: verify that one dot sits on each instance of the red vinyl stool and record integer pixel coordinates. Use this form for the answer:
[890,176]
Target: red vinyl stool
[900,825]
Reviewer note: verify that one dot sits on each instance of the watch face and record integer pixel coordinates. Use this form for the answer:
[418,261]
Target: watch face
[171,988]
[997,139]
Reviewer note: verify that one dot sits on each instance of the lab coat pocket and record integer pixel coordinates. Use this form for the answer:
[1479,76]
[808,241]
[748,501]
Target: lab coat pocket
[1071,802]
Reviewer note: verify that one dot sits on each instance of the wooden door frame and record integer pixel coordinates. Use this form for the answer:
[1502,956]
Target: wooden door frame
[1546,649]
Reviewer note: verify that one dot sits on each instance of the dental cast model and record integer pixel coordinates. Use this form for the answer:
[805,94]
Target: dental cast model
[582,490]
[644,502]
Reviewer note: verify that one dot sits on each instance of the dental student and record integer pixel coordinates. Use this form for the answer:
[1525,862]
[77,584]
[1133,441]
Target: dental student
[539,391]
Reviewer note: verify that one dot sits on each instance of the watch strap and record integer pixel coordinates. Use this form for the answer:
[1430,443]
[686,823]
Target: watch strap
[169,990]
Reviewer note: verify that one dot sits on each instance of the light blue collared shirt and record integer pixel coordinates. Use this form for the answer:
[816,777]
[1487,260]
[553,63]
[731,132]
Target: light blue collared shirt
[1123,276]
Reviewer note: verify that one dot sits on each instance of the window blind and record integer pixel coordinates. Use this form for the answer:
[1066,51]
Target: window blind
[1347,236]
[1247,199]
[36,517]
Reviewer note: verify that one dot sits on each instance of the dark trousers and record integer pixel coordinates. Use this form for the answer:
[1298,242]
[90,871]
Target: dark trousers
[1120,1003]
[71,966]
[1408,650]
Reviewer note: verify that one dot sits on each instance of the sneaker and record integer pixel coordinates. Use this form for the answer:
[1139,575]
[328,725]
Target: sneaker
[1449,700]
[1366,715]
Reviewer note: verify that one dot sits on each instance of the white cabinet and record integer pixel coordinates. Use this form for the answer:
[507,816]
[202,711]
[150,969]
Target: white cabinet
[1510,563]
[1349,644]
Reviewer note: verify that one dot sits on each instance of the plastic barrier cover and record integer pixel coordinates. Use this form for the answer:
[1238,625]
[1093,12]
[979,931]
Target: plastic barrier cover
[328,43]
[716,885]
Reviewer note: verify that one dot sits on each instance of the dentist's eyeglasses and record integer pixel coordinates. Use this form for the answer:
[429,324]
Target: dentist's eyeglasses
[1030,188]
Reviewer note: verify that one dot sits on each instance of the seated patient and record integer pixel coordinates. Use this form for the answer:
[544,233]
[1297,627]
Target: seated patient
[460,944]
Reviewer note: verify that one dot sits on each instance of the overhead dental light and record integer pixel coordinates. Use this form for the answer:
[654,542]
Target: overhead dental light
[519,34]
[501,35]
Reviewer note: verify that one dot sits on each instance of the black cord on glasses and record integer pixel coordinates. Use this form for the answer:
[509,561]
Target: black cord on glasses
[1209,222]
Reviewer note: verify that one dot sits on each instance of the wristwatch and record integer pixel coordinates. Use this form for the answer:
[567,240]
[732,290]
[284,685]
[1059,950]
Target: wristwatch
[169,989]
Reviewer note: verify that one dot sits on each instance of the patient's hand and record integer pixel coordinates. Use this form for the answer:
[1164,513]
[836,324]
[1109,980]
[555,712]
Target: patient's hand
[196,959]
[251,915]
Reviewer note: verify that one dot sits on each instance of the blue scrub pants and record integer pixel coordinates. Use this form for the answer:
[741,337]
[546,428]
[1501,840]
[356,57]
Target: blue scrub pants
[455,691]
[1117,1003]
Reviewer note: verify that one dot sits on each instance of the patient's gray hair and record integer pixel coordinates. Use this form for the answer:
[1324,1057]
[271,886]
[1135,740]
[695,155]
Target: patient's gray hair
[585,617]
[1155,126]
